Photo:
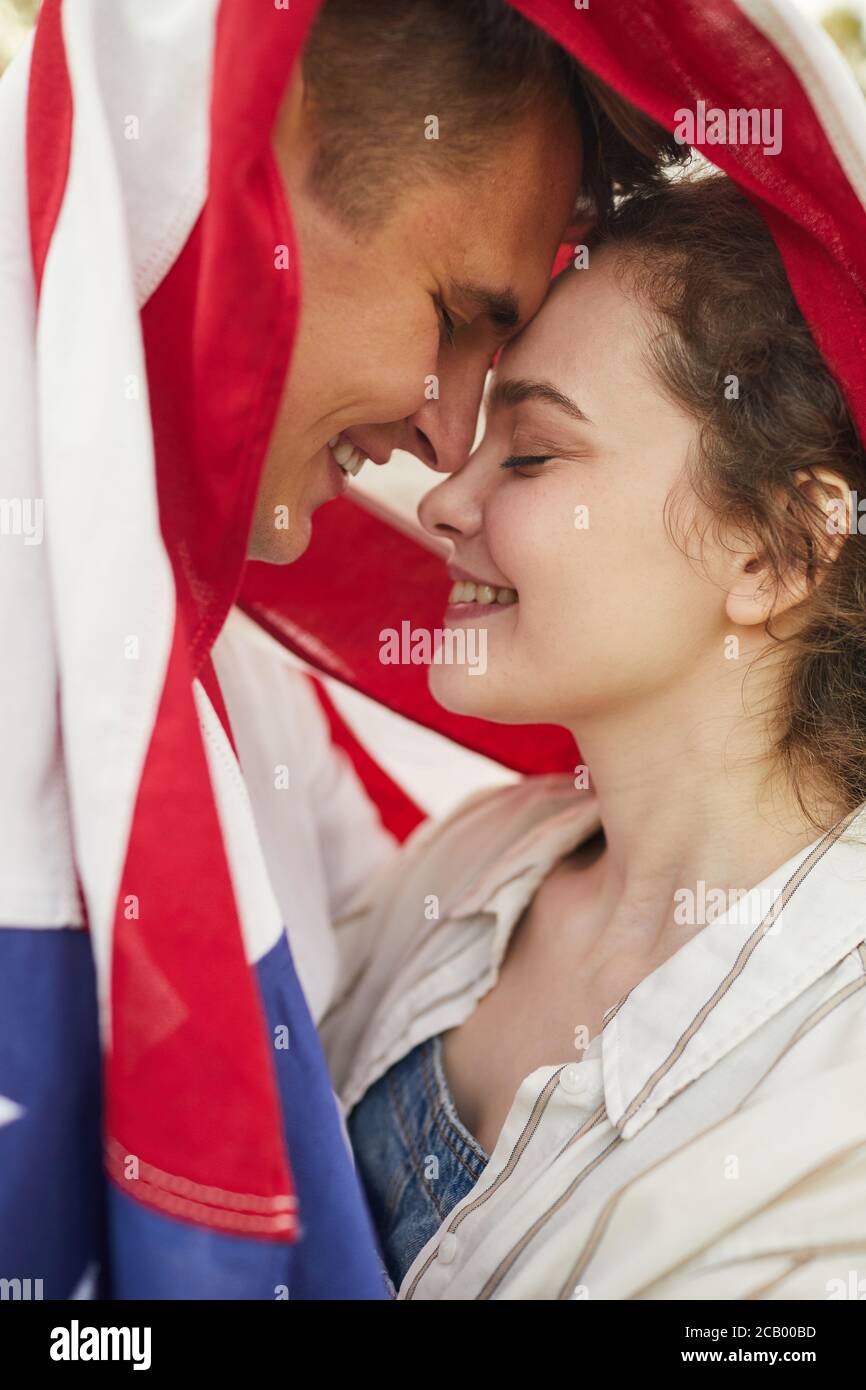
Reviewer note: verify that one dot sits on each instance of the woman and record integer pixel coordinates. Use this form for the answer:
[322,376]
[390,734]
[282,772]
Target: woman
[606,1038]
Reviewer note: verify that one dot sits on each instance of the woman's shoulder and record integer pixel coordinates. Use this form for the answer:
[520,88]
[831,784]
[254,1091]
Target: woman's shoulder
[447,870]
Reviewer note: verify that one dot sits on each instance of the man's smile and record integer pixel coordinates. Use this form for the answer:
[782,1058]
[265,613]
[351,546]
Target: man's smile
[346,456]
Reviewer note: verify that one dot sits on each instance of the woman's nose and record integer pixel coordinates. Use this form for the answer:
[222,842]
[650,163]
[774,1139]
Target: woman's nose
[452,508]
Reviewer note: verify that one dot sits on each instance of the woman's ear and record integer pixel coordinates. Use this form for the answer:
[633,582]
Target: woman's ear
[755,595]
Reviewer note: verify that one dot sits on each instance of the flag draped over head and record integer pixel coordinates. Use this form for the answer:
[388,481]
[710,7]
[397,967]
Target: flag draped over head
[150,1010]
[166,1127]
[762,93]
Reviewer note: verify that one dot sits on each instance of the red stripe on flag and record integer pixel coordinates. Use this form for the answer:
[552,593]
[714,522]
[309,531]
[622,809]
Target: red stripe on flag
[210,683]
[665,55]
[397,811]
[190,1069]
[333,616]
[49,133]
[214,391]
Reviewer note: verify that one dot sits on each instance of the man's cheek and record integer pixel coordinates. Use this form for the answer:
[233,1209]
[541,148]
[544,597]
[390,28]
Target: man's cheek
[399,367]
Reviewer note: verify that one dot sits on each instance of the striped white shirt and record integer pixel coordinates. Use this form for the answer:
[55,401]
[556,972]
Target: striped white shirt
[710,1143]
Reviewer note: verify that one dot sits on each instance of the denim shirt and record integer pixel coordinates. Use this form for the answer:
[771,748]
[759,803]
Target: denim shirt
[416,1160]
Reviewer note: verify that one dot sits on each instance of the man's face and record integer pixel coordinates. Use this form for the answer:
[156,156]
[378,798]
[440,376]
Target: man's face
[373,367]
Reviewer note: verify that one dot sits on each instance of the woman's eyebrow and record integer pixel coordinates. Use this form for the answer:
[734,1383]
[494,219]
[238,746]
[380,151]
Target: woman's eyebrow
[516,390]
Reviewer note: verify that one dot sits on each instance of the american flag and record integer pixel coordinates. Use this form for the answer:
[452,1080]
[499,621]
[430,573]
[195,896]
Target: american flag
[167,1127]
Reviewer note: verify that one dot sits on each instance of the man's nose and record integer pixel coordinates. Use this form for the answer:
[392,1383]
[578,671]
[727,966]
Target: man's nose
[442,431]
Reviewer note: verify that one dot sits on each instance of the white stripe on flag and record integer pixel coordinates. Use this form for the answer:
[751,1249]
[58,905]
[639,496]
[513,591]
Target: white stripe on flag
[826,78]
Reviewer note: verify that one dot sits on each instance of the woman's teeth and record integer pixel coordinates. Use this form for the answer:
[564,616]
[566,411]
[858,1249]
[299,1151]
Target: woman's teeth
[465,592]
[350,459]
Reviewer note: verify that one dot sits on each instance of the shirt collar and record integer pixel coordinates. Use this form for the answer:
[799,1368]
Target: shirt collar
[735,974]
[724,983]
[504,887]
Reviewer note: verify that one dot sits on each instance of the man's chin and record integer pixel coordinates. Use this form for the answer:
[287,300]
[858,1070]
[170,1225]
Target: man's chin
[275,545]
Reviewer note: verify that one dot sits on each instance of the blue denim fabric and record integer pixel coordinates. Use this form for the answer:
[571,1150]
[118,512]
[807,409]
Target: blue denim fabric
[415,1159]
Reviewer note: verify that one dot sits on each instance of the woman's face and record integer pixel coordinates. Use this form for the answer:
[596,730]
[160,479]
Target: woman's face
[609,610]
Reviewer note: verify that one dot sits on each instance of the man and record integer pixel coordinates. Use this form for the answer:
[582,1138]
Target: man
[432,160]
[432,157]
[424,241]
[429,153]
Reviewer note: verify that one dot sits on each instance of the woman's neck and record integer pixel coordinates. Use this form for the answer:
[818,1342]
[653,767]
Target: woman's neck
[688,797]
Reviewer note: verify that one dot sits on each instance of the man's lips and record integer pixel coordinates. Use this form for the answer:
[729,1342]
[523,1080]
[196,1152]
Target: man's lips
[339,480]
[366,447]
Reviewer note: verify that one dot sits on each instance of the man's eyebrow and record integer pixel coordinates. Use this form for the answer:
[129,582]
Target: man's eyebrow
[515,390]
[500,306]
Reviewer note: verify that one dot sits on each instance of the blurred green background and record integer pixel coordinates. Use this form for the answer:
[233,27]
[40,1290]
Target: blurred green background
[16,17]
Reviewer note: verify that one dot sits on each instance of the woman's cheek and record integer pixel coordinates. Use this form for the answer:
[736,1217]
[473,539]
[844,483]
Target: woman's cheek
[517,531]
[539,536]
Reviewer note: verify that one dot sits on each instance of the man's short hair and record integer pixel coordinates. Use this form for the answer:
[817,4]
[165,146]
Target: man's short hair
[380,72]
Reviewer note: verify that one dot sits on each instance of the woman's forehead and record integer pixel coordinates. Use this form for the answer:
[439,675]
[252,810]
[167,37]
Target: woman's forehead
[588,325]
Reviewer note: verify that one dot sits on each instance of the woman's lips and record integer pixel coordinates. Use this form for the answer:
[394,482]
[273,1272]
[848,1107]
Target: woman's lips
[460,612]
[471,598]
[472,591]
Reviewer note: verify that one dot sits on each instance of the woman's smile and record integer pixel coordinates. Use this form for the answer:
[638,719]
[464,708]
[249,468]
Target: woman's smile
[471,597]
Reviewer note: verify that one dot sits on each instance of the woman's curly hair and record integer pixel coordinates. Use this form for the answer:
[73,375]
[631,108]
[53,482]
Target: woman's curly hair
[699,255]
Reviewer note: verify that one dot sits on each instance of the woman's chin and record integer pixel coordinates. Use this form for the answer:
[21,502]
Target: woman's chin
[452,688]
[462,690]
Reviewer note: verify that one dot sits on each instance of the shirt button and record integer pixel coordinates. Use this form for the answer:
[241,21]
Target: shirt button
[573,1079]
[448,1249]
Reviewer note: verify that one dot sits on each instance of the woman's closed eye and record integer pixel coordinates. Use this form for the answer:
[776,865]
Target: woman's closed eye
[518,461]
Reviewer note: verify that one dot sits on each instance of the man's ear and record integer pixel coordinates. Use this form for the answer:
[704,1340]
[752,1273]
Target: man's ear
[290,131]
[755,596]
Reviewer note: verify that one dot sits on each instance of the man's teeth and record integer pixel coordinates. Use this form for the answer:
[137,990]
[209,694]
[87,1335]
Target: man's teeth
[466,592]
[350,459]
